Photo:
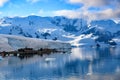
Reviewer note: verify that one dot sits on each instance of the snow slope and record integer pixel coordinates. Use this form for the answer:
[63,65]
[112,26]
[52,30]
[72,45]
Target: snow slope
[83,40]
[10,42]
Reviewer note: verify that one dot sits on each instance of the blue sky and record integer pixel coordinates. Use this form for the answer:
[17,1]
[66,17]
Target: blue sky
[91,9]
[28,7]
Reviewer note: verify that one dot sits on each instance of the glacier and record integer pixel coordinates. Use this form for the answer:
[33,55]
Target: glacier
[12,43]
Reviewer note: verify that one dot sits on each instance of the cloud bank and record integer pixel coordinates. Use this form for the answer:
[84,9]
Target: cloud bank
[96,3]
[109,9]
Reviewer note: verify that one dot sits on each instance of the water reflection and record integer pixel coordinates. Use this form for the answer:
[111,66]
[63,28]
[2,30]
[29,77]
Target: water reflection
[82,64]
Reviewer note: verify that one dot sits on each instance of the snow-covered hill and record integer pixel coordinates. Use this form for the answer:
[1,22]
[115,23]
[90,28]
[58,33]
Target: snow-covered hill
[75,31]
[10,42]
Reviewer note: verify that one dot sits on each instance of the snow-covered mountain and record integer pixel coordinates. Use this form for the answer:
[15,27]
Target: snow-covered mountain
[104,31]
[75,31]
[42,27]
[10,43]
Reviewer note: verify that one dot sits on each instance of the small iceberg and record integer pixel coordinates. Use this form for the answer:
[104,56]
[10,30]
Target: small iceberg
[49,59]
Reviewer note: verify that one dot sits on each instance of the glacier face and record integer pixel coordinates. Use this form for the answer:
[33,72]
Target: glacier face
[61,28]
[11,42]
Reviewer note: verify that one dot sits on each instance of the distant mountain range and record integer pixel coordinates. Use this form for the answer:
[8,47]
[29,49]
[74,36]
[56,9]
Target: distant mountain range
[75,31]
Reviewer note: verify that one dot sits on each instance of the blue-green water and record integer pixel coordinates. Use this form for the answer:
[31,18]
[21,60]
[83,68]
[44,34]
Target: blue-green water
[82,64]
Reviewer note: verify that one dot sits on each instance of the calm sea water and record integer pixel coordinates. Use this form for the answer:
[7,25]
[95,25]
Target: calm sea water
[82,64]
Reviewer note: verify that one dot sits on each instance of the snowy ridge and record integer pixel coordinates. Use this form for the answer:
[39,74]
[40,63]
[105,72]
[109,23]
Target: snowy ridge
[10,43]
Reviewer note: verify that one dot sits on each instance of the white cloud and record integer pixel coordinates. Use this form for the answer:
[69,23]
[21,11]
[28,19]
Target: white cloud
[2,2]
[33,1]
[79,13]
[106,12]
[87,2]
[67,13]
[96,3]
